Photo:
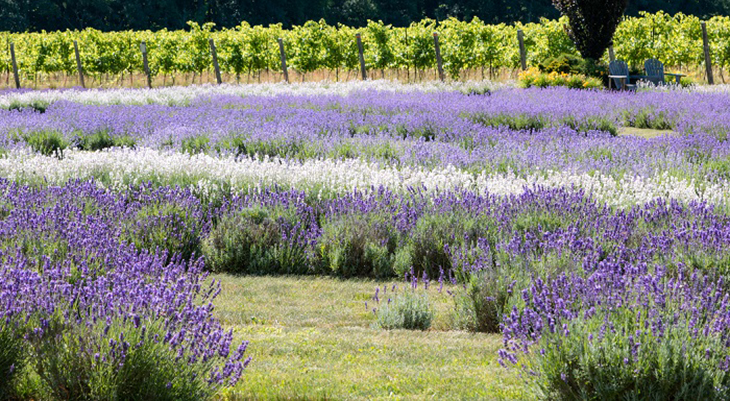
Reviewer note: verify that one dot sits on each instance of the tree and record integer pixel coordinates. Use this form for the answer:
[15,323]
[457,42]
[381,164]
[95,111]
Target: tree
[592,23]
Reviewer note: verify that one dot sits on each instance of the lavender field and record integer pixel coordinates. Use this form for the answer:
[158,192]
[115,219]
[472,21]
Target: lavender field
[500,243]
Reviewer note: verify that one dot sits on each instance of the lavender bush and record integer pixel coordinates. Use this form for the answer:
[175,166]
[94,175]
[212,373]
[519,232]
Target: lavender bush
[12,356]
[102,140]
[614,335]
[408,310]
[137,363]
[48,143]
[485,299]
[539,232]
[262,240]
[405,308]
[359,245]
[168,220]
[99,318]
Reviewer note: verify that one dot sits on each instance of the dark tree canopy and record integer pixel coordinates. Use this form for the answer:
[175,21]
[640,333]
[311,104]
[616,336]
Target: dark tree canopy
[108,15]
[592,23]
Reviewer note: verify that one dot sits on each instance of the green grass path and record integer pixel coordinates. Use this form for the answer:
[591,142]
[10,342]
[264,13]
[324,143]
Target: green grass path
[645,132]
[312,338]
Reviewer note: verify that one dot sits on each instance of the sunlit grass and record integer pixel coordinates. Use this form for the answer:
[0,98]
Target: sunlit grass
[645,132]
[313,338]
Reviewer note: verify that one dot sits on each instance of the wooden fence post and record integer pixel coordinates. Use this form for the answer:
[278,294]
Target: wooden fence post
[78,65]
[523,53]
[439,65]
[215,61]
[708,60]
[283,60]
[611,54]
[363,73]
[145,63]
[408,68]
[15,66]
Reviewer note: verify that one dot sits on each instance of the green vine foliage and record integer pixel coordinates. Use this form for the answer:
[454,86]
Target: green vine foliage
[674,39]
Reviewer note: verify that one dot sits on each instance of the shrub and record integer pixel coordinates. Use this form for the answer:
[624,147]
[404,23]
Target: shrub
[621,335]
[594,68]
[403,260]
[483,300]
[565,63]
[490,278]
[174,225]
[100,319]
[46,142]
[533,77]
[120,360]
[407,310]
[12,358]
[649,118]
[233,144]
[101,140]
[359,245]
[434,233]
[428,241]
[718,167]
[687,82]
[384,151]
[195,144]
[515,122]
[628,361]
[259,240]
[585,124]
[37,105]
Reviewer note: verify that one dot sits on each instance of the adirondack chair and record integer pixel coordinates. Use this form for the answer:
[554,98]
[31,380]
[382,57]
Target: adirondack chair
[618,73]
[655,72]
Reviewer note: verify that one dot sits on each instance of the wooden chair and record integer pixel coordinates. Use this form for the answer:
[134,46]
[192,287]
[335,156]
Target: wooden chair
[655,72]
[618,73]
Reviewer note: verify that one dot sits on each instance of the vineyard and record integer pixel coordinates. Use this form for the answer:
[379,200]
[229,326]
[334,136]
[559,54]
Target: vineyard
[316,46]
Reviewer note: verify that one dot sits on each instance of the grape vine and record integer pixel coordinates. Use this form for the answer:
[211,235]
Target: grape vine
[245,49]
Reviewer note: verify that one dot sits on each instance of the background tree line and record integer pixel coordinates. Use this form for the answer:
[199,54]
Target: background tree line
[115,15]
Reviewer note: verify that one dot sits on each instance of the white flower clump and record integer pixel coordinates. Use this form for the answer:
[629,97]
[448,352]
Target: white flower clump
[205,174]
[182,95]
[671,86]
[122,167]
[615,191]
[720,88]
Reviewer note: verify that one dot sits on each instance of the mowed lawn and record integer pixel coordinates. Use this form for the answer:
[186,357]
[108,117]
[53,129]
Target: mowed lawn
[645,132]
[313,338]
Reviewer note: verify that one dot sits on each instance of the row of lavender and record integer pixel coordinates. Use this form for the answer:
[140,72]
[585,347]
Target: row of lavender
[89,312]
[427,140]
[95,281]
[496,142]
[292,119]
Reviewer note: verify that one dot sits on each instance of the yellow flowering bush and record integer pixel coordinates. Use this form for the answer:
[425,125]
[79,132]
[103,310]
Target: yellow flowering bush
[534,77]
